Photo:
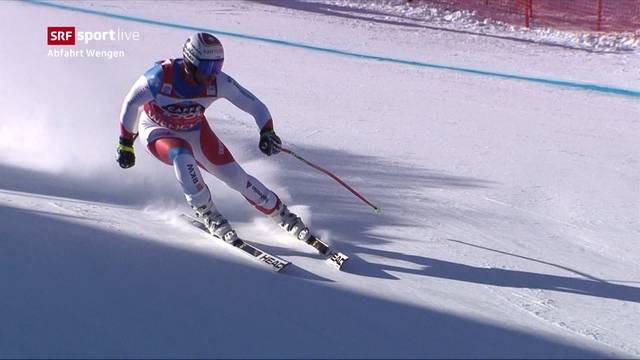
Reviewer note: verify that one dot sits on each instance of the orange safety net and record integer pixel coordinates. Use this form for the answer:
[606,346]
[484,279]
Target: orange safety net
[591,15]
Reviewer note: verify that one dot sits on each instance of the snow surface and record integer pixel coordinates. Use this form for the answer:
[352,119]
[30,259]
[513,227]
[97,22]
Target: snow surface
[511,209]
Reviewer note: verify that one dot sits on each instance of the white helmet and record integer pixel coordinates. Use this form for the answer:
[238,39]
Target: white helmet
[203,52]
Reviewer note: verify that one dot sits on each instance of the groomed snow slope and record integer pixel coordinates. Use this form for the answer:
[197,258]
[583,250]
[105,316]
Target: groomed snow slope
[510,220]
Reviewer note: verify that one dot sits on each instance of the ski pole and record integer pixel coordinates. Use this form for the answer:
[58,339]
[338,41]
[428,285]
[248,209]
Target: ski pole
[376,209]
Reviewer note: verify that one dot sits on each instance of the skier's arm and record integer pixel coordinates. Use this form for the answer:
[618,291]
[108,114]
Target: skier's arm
[229,89]
[142,91]
[139,94]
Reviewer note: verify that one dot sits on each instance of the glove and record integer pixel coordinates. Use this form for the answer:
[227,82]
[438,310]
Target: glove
[126,156]
[269,142]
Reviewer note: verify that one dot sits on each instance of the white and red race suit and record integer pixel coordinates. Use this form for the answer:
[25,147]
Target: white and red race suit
[174,128]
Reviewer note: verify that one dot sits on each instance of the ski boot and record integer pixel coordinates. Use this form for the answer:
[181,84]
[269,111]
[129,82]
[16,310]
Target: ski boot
[291,223]
[217,225]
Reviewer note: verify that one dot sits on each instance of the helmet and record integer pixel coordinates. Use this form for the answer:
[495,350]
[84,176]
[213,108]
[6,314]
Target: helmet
[203,52]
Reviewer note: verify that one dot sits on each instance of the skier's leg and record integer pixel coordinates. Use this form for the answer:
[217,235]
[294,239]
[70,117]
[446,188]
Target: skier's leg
[215,158]
[173,148]
[177,152]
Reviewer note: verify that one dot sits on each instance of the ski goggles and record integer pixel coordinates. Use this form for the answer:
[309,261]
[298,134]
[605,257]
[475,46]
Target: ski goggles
[210,67]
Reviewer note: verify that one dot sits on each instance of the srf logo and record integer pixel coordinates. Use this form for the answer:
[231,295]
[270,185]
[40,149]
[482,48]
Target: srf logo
[61,35]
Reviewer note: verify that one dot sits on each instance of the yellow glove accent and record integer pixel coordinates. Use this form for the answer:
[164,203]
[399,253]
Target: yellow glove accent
[125,148]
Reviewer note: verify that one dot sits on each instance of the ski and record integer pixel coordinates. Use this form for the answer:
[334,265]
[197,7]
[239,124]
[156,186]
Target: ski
[264,257]
[334,257]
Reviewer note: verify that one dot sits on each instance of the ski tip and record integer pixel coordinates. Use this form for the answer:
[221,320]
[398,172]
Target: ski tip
[377,210]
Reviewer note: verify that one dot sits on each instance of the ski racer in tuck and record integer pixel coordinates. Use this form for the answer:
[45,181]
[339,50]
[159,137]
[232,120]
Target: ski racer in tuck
[174,95]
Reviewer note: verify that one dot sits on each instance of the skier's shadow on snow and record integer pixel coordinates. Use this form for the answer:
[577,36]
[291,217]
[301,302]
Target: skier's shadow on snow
[351,222]
[491,276]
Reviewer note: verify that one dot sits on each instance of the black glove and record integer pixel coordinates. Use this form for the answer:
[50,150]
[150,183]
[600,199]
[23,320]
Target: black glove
[126,156]
[269,142]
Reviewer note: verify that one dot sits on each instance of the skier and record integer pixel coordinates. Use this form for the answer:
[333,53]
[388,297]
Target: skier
[174,94]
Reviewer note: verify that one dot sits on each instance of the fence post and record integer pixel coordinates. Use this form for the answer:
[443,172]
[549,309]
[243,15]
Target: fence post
[528,12]
[599,23]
